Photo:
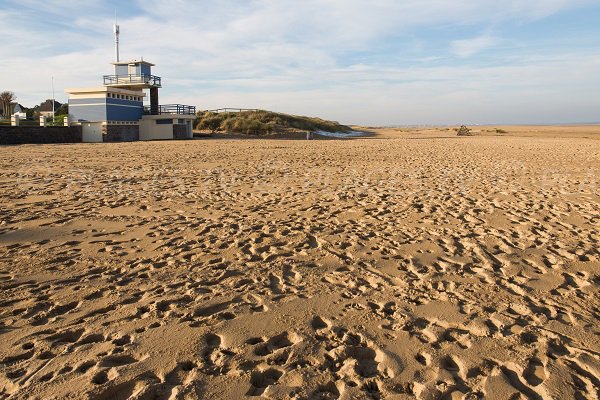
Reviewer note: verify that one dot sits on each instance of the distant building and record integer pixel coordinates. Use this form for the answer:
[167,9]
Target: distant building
[115,112]
[20,111]
[46,109]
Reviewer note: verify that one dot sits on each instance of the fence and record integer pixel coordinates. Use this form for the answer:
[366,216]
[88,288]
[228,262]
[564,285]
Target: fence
[221,110]
[180,109]
[40,135]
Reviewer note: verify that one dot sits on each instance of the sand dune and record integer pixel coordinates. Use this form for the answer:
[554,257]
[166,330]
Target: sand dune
[409,264]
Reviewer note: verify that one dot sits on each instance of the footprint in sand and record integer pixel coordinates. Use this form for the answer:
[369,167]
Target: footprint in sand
[215,358]
[536,373]
[276,343]
[261,380]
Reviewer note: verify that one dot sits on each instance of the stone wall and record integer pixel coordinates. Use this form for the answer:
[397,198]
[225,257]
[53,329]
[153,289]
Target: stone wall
[121,133]
[179,131]
[39,135]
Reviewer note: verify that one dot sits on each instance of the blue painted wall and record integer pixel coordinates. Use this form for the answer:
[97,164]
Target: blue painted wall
[120,113]
[146,69]
[122,102]
[92,113]
[105,109]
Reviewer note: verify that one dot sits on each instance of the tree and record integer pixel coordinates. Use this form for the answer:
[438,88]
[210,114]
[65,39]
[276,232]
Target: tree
[6,100]
[63,109]
[32,113]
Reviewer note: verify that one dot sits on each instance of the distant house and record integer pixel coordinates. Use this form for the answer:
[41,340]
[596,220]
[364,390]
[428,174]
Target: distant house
[46,108]
[20,111]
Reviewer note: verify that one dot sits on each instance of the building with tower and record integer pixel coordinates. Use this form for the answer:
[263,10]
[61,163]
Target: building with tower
[116,111]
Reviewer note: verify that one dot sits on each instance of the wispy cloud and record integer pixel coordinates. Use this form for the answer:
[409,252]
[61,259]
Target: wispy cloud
[467,47]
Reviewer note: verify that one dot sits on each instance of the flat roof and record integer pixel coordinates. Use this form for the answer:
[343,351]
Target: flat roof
[133,62]
[104,89]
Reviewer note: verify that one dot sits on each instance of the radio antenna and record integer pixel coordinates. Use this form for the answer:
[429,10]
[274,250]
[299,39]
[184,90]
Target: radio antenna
[116,31]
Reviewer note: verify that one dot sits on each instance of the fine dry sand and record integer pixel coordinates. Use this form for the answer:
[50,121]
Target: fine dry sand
[409,264]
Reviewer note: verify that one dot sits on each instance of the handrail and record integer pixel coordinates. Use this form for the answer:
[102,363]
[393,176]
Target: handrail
[180,109]
[131,79]
[228,109]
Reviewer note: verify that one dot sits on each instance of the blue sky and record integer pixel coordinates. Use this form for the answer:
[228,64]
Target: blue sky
[378,62]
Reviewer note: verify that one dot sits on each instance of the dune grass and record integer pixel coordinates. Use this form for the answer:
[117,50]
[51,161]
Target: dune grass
[263,123]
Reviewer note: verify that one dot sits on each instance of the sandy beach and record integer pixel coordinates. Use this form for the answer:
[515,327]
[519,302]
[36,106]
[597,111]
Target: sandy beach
[411,263]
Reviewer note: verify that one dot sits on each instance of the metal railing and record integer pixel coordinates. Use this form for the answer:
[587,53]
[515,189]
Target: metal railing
[221,110]
[180,109]
[132,79]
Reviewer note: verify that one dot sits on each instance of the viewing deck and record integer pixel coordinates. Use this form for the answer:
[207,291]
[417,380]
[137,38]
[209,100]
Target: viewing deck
[170,109]
[132,80]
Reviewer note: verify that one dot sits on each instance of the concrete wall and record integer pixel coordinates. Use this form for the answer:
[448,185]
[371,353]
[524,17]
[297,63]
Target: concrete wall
[92,132]
[150,130]
[34,134]
[121,133]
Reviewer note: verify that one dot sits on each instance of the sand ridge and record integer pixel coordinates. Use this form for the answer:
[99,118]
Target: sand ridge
[404,265]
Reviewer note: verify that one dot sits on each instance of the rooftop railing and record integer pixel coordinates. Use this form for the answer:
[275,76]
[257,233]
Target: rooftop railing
[180,109]
[132,79]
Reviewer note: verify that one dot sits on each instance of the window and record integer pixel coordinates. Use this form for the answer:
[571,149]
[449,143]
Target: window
[164,122]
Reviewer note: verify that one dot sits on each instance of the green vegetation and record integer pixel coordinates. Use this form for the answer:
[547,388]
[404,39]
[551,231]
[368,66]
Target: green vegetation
[23,122]
[263,122]
[464,131]
[63,109]
[59,120]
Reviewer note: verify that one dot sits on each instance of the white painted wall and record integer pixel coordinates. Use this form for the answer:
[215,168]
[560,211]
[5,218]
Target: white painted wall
[149,130]
[91,132]
[190,133]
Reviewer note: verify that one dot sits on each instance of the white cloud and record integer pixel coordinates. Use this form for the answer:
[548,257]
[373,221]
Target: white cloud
[468,47]
[285,55]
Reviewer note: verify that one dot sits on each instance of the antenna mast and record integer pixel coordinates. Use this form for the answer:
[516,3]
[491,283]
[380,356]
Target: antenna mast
[116,30]
[53,101]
